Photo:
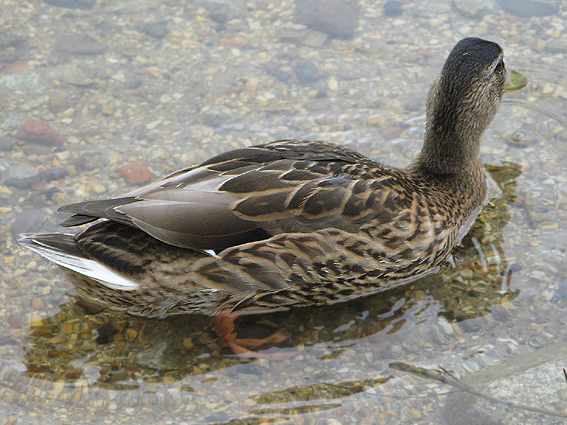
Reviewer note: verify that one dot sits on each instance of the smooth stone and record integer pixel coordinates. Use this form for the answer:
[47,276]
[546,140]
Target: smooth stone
[159,356]
[73,4]
[306,72]
[529,8]
[556,45]
[393,8]
[475,8]
[335,17]
[13,121]
[79,44]
[7,143]
[222,11]
[131,6]
[33,103]
[69,73]
[306,36]
[219,116]
[135,173]
[29,221]
[57,102]
[38,131]
[153,29]
[21,176]
[26,81]
[535,379]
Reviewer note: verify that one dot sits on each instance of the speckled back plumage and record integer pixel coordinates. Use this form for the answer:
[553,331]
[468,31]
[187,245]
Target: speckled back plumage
[289,223]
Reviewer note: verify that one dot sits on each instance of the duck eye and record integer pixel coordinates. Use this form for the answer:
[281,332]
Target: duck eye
[499,66]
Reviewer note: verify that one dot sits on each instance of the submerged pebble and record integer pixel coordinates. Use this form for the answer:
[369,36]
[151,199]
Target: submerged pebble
[39,132]
[136,173]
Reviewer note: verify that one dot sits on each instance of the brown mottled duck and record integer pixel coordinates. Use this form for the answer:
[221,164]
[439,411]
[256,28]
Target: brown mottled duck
[291,223]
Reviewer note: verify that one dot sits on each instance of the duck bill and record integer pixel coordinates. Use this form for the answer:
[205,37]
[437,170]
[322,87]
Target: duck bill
[515,81]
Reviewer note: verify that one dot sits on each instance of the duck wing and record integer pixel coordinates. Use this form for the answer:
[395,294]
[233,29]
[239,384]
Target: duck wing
[253,193]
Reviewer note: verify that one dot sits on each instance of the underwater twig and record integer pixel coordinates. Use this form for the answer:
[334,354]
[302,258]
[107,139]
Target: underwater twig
[446,377]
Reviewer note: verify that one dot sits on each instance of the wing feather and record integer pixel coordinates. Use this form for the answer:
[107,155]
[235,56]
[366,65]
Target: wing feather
[286,186]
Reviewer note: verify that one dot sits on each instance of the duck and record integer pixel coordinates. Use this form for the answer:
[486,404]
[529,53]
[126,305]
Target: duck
[291,223]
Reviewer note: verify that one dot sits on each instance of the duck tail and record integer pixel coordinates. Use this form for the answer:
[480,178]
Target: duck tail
[63,250]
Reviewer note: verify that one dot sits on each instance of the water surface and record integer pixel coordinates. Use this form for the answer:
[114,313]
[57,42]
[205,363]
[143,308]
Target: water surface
[192,84]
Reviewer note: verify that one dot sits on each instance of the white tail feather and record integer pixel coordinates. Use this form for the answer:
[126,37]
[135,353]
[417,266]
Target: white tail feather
[81,265]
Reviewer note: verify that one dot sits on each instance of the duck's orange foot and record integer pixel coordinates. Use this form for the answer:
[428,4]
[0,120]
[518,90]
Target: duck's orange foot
[224,327]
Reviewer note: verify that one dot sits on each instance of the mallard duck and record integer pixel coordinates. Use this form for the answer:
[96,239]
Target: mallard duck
[291,223]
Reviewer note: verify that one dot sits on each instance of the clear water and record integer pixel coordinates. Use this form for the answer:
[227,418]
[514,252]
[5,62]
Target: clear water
[207,87]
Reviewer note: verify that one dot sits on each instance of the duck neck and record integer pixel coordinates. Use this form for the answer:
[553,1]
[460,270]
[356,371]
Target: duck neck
[448,151]
[452,137]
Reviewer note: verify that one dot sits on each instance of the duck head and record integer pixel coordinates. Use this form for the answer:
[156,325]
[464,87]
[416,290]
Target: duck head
[462,103]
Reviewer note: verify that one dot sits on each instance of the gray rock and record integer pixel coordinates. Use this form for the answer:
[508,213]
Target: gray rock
[556,45]
[475,8]
[529,8]
[34,102]
[308,37]
[153,29]
[29,221]
[219,116]
[393,8]
[69,73]
[73,4]
[13,121]
[159,356]
[335,17]
[21,176]
[535,379]
[27,82]
[131,6]
[81,44]
[223,10]
[306,72]
[7,143]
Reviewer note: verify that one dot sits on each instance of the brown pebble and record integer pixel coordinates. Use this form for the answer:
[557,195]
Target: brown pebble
[54,174]
[106,110]
[136,173]
[392,132]
[39,132]
[38,304]
[57,102]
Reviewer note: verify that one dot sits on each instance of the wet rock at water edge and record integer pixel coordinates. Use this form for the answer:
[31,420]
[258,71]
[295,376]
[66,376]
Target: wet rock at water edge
[222,11]
[153,29]
[334,17]
[39,132]
[72,4]
[81,44]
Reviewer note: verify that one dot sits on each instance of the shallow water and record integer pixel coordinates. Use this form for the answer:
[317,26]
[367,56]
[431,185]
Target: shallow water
[206,86]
